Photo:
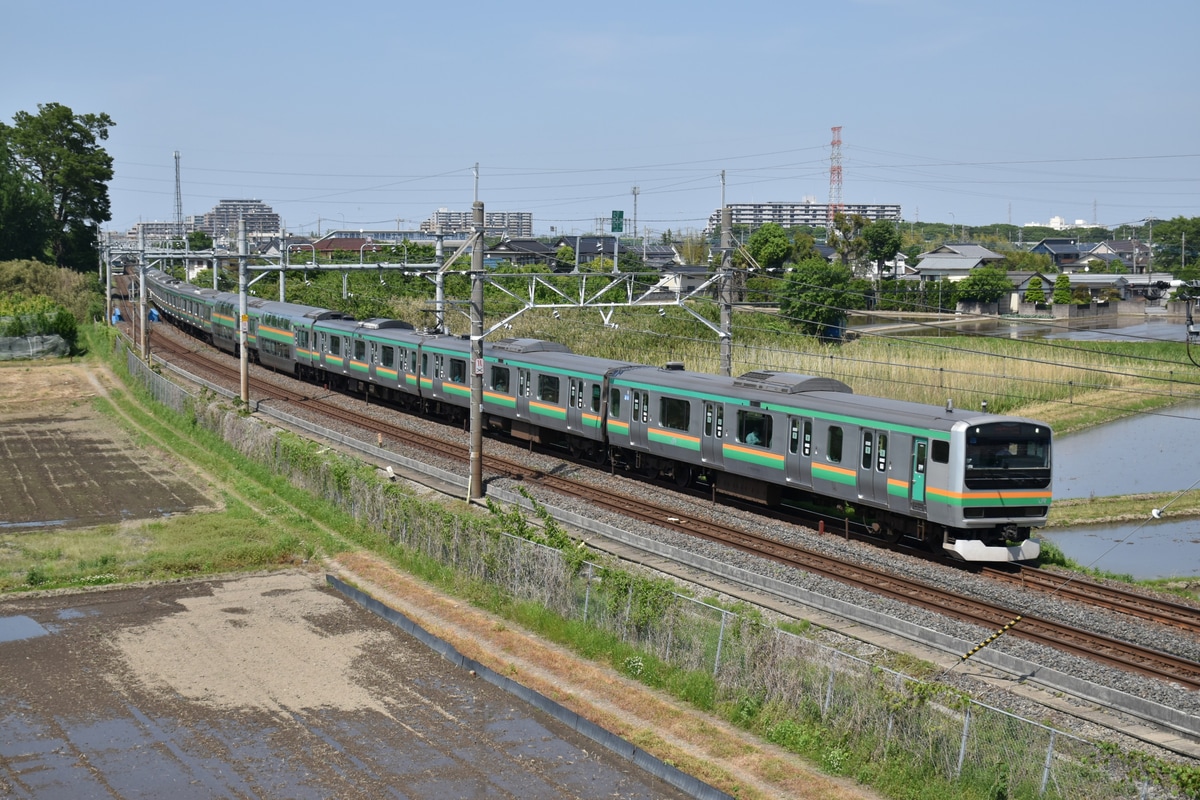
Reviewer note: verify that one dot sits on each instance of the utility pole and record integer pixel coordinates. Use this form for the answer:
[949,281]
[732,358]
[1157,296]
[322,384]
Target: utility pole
[636,191]
[475,485]
[243,320]
[726,280]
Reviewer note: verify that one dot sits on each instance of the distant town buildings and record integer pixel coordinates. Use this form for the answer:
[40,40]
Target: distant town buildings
[808,213]
[262,223]
[512,224]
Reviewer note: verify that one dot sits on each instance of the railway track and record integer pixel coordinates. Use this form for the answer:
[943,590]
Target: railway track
[1090,645]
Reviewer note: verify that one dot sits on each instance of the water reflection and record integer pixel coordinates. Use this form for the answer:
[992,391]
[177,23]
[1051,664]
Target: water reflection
[1129,328]
[1144,453]
[1144,551]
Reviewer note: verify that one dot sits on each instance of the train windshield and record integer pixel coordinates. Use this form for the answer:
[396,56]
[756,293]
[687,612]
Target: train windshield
[1008,454]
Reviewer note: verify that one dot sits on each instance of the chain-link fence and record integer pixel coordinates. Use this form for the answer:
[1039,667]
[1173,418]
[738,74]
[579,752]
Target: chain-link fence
[820,702]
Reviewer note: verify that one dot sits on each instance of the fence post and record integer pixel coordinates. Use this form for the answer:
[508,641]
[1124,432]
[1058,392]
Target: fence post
[720,641]
[828,692]
[1046,766]
[962,749]
[587,593]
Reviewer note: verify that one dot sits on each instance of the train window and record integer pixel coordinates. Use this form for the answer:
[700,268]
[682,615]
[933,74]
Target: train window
[754,428]
[412,361]
[596,397]
[374,352]
[389,356]
[919,466]
[335,345]
[324,344]
[500,379]
[867,440]
[645,407]
[793,436]
[425,363]
[940,452]
[458,370]
[573,397]
[881,453]
[548,388]
[360,350]
[674,413]
[708,419]
[302,338]
[637,406]
[833,452]
[439,366]
[614,403]
[720,421]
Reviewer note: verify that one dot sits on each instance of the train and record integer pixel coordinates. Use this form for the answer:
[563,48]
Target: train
[972,483]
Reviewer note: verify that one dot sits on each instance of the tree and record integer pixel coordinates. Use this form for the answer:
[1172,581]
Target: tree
[847,241]
[24,211]
[1062,289]
[1024,261]
[58,150]
[984,285]
[1034,293]
[883,242]
[199,240]
[1176,243]
[769,246]
[564,258]
[816,296]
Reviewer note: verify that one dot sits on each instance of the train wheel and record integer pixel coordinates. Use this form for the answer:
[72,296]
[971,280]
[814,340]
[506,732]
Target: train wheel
[683,475]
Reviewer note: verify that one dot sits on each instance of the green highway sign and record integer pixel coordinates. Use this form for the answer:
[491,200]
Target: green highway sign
[618,221]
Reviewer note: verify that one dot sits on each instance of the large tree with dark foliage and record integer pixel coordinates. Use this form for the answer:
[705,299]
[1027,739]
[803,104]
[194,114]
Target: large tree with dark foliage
[24,211]
[817,296]
[59,151]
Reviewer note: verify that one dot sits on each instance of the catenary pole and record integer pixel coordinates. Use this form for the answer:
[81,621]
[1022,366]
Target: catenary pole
[475,486]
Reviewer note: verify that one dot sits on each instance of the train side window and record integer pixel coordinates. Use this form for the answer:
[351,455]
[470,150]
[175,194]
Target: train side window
[708,419]
[500,379]
[458,370]
[614,403]
[360,350]
[645,406]
[424,363]
[548,388]
[637,406]
[940,451]
[323,342]
[302,338]
[793,436]
[881,453]
[389,356]
[674,413]
[833,451]
[920,458]
[335,345]
[374,352]
[596,391]
[754,428]
[867,440]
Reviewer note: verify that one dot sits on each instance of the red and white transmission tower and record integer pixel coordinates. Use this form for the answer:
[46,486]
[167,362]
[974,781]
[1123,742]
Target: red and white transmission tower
[835,176]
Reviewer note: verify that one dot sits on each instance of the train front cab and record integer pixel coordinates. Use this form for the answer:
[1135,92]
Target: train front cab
[1001,473]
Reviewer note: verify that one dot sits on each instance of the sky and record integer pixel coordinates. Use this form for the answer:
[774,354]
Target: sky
[364,114]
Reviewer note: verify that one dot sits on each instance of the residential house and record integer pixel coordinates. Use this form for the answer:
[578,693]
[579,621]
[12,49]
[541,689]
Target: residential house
[954,261]
[1064,252]
[1134,255]
[524,252]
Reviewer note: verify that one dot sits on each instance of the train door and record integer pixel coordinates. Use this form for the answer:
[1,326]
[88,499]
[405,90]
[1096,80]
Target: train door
[799,451]
[575,404]
[872,465]
[523,390]
[919,460]
[639,418]
[713,434]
